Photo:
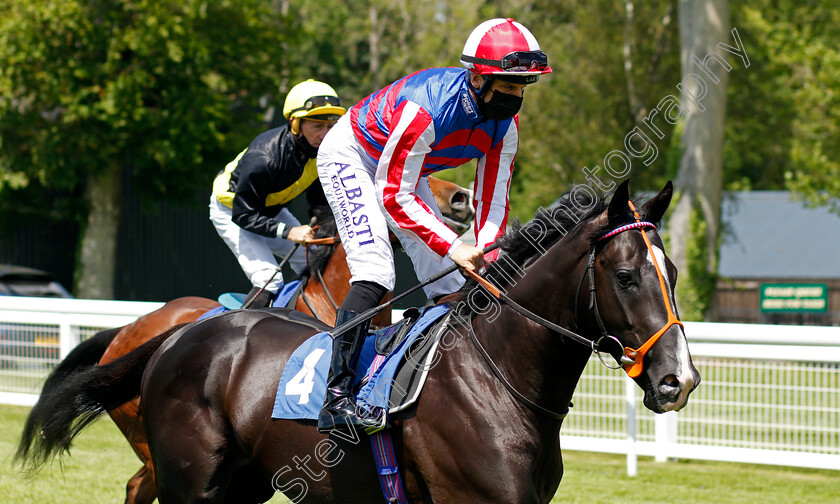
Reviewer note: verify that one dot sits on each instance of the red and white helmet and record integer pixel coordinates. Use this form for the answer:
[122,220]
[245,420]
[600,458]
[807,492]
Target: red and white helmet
[505,48]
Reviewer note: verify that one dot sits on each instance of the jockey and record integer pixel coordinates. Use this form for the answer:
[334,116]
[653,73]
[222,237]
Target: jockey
[373,167]
[248,205]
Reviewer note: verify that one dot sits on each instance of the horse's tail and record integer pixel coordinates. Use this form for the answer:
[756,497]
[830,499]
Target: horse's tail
[83,356]
[79,399]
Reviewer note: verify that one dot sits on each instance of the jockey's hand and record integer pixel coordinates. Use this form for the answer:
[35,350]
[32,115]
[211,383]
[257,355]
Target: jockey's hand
[468,257]
[301,234]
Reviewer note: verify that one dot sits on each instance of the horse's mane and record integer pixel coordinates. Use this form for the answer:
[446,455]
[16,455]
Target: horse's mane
[522,243]
[320,255]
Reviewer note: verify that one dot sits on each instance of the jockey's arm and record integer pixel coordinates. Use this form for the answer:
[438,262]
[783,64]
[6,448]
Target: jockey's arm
[300,234]
[250,196]
[468,257]
[492,186]
[398,174]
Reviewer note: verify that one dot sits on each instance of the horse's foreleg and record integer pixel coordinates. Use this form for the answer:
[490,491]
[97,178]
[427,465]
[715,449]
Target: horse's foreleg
[141,487]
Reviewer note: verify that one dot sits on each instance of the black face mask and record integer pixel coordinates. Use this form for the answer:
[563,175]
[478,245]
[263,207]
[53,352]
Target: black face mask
[306,147]
[501,106]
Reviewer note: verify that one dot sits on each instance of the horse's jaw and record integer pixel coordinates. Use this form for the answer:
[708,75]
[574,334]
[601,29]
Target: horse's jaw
[455,225]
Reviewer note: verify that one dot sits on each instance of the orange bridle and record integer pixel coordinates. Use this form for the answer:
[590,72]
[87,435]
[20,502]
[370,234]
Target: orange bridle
[635,368]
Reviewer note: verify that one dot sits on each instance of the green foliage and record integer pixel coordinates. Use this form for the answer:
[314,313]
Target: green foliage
[696,287]
[168,87]
[335,39]
[783,123]
[173,90]
[159,86]
[583,110]
[572,118]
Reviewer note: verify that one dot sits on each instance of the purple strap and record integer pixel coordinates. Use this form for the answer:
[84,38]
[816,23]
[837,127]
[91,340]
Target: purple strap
[386,465]
[383,453]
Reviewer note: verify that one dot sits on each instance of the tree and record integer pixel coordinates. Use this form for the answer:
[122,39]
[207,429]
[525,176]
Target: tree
[694,225]
[613,62]
[380,40]
[783,128]
[572,119]
[88,88]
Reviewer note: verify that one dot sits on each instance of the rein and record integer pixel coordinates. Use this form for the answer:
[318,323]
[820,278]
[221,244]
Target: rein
[630,359]
[502,297]
[330,240]
[510,388]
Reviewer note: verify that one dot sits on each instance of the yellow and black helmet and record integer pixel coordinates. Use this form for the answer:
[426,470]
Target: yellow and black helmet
[313,100]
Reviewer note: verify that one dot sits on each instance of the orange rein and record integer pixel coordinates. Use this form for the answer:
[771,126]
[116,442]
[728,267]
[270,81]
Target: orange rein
[322,241]
[330,240]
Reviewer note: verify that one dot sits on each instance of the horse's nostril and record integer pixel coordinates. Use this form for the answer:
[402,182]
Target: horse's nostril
[669,386]
[459,200]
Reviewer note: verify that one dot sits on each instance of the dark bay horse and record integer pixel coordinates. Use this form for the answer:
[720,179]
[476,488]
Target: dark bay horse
[485,428]
[326,286]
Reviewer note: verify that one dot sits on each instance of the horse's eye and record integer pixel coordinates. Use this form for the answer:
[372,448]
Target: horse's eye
[624,278]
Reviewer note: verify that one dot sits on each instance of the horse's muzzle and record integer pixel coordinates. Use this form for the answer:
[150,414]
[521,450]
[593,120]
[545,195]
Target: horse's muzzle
[671,393]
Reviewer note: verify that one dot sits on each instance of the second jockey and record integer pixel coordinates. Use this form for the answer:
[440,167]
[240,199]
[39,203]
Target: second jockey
[248,205]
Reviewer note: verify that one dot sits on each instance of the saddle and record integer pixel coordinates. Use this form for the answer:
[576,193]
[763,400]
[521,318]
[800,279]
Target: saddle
[390,372]
[286,297]
[388,338]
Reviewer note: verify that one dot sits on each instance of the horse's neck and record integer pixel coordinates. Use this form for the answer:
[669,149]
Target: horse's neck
[336,283]
[539,362]
[336,268]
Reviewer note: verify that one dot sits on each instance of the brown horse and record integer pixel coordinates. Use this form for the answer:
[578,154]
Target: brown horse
[328,280]
[485,428]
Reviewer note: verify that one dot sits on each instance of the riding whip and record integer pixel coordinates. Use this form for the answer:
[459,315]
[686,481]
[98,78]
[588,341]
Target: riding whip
[276,270]
[279,266]
[369,314]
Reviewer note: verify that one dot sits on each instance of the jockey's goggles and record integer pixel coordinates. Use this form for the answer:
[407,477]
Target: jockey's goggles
[517,61]
[318,102]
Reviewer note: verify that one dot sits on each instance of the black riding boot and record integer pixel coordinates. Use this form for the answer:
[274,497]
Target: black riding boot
[339,410]
[261,298]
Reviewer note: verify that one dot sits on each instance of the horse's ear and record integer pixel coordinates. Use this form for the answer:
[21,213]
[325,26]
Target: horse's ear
[619,210]
[655,208]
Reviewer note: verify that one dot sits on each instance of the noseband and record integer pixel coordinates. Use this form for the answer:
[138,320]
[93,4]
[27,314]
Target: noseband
[632,359]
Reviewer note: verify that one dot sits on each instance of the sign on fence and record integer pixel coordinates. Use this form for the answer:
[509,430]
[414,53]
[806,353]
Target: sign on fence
[794,297]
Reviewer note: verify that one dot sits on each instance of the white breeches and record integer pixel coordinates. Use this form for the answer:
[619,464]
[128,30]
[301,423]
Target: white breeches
[256,253]
[361,220]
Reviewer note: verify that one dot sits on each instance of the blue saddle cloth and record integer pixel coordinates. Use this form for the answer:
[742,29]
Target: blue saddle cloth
[303,382]
[233,300]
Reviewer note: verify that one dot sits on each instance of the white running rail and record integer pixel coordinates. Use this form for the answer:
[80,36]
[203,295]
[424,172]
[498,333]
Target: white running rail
[768,395]
[36,333]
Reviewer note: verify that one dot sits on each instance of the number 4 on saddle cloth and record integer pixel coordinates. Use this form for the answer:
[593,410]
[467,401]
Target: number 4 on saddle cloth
[390,372]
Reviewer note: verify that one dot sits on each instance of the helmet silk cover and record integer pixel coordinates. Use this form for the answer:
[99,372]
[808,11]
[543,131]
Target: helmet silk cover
[503,47]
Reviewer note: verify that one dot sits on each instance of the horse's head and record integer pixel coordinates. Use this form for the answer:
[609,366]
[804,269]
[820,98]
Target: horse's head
[319,256]
[635,301]
[454,203]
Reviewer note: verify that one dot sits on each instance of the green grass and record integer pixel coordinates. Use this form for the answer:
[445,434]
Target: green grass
[96,471]
[596,478]
[101,462]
